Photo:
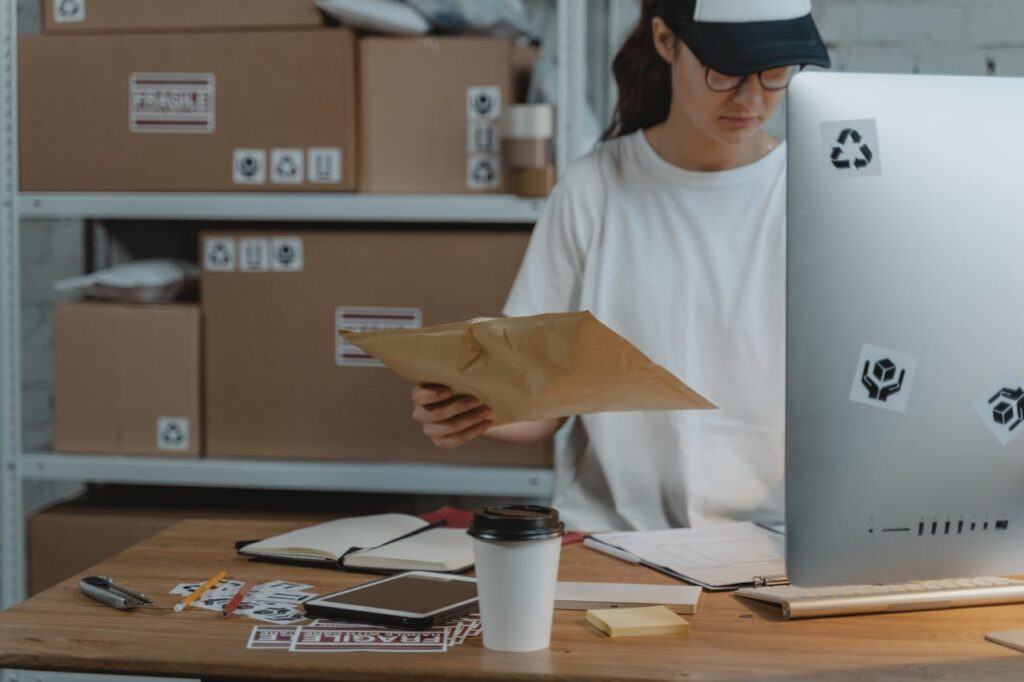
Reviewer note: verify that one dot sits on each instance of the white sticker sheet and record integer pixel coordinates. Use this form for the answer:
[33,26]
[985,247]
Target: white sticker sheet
[883,378]
[365,319]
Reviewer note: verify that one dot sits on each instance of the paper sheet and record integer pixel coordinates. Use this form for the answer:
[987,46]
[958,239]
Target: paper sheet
[722,556]
[530,368]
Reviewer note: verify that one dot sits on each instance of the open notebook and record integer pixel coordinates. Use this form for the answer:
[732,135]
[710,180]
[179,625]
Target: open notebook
[381,543]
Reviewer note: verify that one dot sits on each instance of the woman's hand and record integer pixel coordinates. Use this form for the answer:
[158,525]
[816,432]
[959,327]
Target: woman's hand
[449,421]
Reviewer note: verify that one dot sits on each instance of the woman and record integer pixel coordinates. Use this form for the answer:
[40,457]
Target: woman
[672,233]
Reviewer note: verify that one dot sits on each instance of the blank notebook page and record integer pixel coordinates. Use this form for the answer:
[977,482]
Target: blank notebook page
[437,549]
[333,539]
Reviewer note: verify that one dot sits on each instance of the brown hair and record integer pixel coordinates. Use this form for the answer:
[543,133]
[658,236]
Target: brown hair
[644,79]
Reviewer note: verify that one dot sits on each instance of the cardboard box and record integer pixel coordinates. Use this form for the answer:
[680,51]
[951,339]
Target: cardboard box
[258,111]
[108,16]
[68,539]
[430,112]
[126,379]
[277,384]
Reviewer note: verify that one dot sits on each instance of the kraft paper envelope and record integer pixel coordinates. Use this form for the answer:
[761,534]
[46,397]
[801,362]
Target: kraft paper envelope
[528,368]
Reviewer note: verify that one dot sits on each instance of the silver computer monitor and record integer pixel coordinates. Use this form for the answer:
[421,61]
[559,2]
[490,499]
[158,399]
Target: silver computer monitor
[905,351]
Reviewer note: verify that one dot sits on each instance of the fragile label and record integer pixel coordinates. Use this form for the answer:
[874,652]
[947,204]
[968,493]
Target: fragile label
[219,254]
[368,639]
[68,11]
[172,103]
[367,319]
[172,433]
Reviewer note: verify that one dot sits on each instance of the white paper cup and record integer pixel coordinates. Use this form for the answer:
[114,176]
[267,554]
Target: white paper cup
[516,583]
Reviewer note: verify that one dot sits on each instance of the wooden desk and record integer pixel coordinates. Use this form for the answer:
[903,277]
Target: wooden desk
[730,639]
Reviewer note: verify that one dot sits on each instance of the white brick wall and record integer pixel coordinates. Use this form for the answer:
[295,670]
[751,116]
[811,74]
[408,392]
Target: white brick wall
[960,37]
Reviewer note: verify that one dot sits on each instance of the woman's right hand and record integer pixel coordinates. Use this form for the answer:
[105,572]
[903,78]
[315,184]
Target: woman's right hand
[449,420]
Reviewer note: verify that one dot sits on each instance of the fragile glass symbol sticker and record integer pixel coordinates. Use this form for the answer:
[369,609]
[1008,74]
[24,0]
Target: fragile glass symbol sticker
[1001,407]
[850,148]
[883,378]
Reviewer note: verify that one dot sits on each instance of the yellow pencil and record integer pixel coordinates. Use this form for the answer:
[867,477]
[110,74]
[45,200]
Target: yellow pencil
[180,606]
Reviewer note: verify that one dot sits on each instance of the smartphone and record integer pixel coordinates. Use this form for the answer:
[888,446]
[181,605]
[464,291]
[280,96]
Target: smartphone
[413,600]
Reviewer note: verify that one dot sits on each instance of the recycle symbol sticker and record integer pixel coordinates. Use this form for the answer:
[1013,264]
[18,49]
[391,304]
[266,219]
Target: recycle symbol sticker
[852,148]
[172,433]
[862,155]
[67,11]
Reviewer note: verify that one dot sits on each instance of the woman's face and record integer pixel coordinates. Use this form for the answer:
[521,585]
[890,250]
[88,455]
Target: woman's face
[732,117]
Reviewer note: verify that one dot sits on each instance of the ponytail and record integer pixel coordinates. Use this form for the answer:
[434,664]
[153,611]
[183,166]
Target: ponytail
[644,80]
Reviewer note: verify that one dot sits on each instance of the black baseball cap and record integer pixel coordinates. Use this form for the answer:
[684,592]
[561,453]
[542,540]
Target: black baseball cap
[739,37]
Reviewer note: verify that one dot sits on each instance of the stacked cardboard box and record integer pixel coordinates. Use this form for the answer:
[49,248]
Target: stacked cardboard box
[208,108]
[431,112]
[278,383]
[127,379]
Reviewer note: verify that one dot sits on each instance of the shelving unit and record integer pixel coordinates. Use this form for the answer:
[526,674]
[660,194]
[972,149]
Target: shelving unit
[16,466]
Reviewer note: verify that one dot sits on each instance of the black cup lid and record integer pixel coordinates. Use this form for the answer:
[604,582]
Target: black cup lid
[516,522]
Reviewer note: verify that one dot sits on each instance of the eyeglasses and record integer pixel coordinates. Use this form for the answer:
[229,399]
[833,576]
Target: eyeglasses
[771,79]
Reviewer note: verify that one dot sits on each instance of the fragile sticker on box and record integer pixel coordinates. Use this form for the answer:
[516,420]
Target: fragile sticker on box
[367,319]
[172,103]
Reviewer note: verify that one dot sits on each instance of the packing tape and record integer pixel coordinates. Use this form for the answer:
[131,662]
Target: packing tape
[532,152]
[523,121]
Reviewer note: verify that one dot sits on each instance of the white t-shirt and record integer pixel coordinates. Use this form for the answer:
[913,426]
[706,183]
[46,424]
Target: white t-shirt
[690,267]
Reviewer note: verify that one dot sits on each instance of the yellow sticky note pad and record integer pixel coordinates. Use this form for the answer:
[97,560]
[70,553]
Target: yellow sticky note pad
[646,620]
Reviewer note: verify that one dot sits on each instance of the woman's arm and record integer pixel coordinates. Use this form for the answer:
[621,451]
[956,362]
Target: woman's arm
[524,432]
[453,420]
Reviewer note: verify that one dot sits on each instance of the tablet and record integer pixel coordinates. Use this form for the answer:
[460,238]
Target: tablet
[416,599]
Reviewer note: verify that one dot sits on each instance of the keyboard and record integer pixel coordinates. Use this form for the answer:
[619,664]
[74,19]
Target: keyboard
[814,602]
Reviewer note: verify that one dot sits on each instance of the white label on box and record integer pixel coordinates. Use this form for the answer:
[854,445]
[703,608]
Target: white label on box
[324,165]
[1001,407]
[254,254]
[483,136]
[364,319]
[68,11]
[483,171]
[286,254]
[172,433]
[286,166]
[483,101]
[172,103]
[219,254]
[249,167]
